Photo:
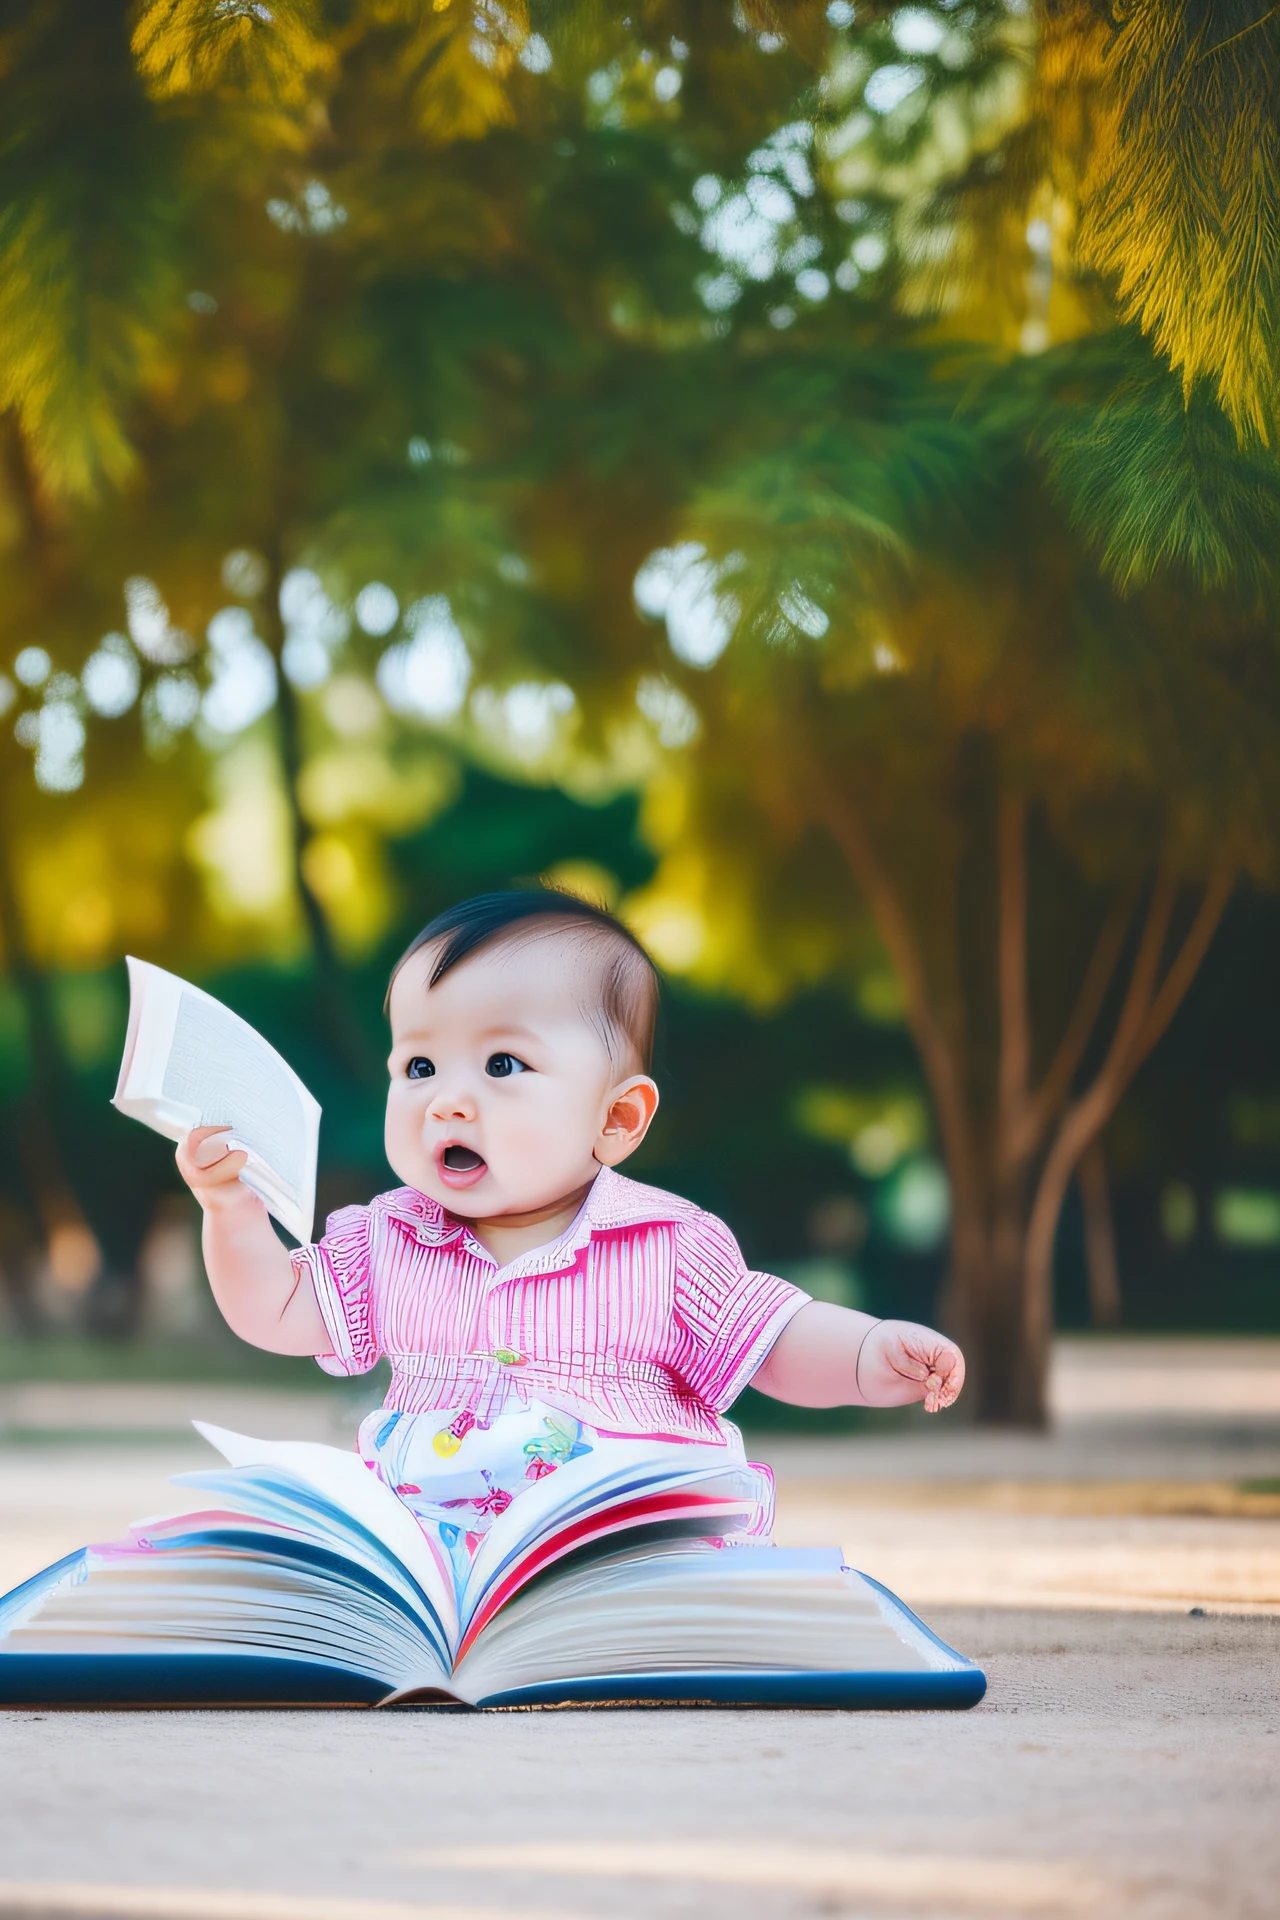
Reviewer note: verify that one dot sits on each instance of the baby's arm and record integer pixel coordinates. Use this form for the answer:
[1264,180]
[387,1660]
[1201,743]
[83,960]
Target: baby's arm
[259,1293]
[829,1356]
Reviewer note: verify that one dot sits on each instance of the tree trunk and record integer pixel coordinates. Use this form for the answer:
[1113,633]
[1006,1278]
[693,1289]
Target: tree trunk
[73,1251]
[345,1032]
[1006,1378]
[1004,1222]
[1010,1172]
[1099,1238]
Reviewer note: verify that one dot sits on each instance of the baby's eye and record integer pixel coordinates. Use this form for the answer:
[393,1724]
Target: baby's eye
[419,1068]
[500,1065]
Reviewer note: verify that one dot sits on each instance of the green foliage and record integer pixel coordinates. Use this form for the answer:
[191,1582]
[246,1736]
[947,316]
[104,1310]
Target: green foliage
[1153,476]
[454,61]
[273,54]
[1158,486]
[1182,200]
[90,238]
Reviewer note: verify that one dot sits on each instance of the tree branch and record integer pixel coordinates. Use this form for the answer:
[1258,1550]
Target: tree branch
[345,1032]
[1141,989]
[1015,1020]
[1145,1015]
[1231,38]
[937,1056]
[1185,967]
[1054,1089]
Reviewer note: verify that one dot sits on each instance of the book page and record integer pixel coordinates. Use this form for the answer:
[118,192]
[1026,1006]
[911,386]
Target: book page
[216,1585]
[218,1064]
[548,1514]
[699,1608]
[298,1552]
[342,1479]
[190,1062]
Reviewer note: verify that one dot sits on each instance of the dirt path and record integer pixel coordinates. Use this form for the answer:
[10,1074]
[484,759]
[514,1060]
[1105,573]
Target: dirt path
[1123,1765]
[1126,1762]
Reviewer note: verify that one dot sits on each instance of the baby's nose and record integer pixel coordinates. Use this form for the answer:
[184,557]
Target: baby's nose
[453,1103]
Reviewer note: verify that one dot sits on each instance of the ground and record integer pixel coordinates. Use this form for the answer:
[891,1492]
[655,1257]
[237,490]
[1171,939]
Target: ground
[1125,1763]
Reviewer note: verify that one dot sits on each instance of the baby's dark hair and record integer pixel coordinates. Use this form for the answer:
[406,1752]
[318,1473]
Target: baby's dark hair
[628,980]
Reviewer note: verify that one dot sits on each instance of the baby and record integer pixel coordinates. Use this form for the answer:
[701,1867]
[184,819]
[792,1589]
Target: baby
[535,1304]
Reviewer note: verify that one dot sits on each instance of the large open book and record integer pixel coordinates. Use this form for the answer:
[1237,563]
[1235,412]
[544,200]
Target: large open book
[190,1062]
[304,1579]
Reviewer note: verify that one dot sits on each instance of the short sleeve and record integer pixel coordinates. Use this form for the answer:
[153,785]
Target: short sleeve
[729,1315]
[341,1276]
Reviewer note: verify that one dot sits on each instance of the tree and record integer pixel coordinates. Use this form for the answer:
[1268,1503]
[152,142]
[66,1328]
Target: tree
[1043,790]
[83,871]
[472,313]
[151,153]
[256,264]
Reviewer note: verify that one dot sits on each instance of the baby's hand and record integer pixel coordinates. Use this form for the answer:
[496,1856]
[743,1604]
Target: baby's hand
[212,1171]
[900,1363]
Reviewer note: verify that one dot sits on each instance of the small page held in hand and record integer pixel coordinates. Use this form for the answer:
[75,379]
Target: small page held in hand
[190,1062]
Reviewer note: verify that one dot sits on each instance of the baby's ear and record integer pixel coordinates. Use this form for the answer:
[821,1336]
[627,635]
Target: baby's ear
[632,1105]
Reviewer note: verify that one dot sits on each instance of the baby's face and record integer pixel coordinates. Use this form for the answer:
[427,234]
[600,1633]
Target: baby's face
[501,1089]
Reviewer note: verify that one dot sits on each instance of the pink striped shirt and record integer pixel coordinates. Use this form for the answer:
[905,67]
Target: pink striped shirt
[641,1319]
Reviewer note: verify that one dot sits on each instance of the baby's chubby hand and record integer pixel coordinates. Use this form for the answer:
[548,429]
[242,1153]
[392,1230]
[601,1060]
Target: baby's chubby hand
[829,1356]
[900,1363]
[212,1170]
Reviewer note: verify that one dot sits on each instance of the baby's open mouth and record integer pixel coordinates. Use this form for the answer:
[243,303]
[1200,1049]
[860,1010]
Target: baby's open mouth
[460,1160]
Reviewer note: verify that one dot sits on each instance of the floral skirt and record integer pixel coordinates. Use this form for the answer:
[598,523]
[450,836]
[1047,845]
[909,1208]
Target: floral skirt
[457,1474]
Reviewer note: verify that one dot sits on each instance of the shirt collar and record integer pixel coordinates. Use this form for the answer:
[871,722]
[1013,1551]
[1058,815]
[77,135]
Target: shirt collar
[614,1203]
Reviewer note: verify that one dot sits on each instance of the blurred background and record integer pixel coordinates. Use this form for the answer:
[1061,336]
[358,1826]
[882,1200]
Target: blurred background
[793,473]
